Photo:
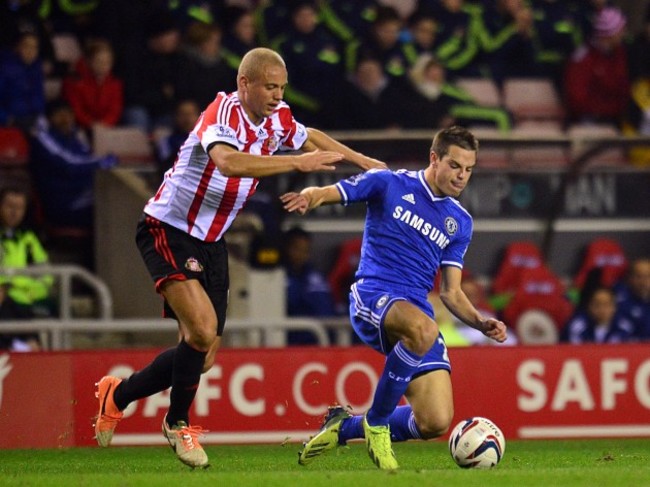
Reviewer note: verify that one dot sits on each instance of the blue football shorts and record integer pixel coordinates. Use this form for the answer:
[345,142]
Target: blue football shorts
[369,303]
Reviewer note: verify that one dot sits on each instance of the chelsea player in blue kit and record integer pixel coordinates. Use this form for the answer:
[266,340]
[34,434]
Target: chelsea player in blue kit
[414,226]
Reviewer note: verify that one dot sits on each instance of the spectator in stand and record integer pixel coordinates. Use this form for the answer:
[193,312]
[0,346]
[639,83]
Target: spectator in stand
[349,20]
[421,31]
[596,78]
[149,100]
[598,321]
[166,148]
[367,99]
[19,17]
[202,68]
[556,35]
[308,291]
[506,39]
[271,18]
[94,93]
[314,57]
[457,38]
[10,310]
[63,169]
[19,248]
[22,88]
[240,35]
[633,296]
[384,43]
[77,17]
[432,101]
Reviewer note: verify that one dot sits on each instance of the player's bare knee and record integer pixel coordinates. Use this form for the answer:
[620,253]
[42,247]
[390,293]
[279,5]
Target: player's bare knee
[201,338]
[434,427]
[420,338]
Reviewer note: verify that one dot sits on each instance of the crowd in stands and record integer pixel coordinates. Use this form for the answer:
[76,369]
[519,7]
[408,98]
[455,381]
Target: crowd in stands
[607,301]
[68,68]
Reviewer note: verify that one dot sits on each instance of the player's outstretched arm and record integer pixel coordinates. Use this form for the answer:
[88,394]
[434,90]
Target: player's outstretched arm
[233,163]
[458,303]
[310,198]
[320,140]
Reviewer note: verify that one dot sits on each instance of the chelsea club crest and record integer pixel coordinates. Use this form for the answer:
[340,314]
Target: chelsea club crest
[450,225]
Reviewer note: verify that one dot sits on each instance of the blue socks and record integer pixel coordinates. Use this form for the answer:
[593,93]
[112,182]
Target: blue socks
[400,365]
[401,422]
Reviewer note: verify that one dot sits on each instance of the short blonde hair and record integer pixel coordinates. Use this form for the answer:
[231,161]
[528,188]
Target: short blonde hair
[257,60]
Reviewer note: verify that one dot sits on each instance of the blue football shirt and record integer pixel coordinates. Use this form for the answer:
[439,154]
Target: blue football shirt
[409,232]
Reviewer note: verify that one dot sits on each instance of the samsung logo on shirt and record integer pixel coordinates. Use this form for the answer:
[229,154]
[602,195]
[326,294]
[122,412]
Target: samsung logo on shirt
[422,226]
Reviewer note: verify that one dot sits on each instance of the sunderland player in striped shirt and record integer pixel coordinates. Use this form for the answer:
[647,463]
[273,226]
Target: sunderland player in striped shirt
[414,226]
[181,234]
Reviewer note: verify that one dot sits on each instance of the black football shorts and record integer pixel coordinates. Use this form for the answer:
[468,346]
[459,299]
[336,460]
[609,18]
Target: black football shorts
[170,253]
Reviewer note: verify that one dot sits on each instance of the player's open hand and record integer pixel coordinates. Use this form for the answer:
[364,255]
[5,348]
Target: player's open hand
[295,202]
[495,329]
[318,160]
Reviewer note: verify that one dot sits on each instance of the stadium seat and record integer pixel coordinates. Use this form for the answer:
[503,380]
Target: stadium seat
[484,91]
[585,135]
[342,274]
[14,158]
[532,98]
[538,322]
[491,156]
[606,254]
[539,307]
[130,144]
[14,147]
[542,155]
[517,257]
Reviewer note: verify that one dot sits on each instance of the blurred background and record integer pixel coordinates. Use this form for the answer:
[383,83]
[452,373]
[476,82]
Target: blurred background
[96,97]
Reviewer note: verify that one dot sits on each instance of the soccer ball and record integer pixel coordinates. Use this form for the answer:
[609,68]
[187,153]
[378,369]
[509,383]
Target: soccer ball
[477,443]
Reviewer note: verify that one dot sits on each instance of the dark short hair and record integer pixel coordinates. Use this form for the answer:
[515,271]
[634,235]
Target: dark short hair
[56,105]
[296,233]
[455,135]
[13,189]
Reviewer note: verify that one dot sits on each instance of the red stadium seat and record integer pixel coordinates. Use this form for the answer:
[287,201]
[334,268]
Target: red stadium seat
[14,157]
[342,274]
[14,147]
[538,303]
[518,256]
[607,255]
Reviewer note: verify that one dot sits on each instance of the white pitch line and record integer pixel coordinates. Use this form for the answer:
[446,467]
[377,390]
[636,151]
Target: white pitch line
[585,431]
[242,437]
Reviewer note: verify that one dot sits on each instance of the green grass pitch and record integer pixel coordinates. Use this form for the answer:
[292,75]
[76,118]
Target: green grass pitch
[592,463]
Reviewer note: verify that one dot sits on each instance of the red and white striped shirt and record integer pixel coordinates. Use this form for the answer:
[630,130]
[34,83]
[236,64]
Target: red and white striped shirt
[194,196]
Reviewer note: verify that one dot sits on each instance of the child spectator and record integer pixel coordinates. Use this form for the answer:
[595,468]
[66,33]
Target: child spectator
[95,95]
[22,86]
[598,321]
